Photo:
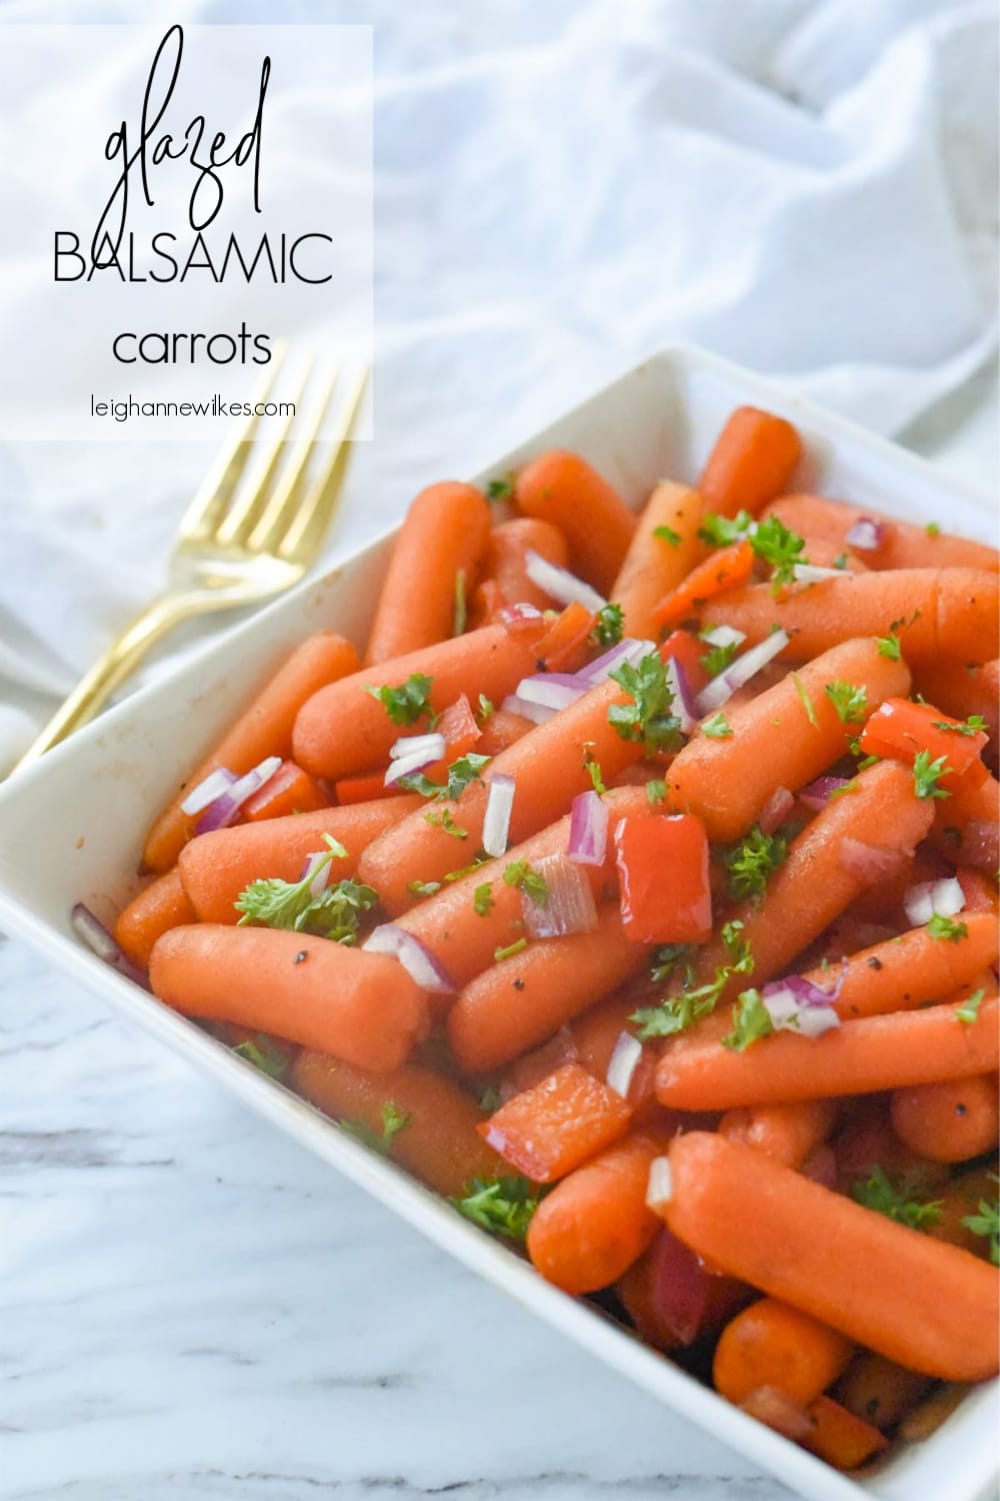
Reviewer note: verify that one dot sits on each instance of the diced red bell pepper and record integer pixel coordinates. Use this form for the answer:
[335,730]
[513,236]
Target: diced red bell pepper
[687,651]
[672,1298]
[548,1130]
[365,787]
[725,568]
[290,790]
[663,874]
[839,1437]
[563,648]
[899,730]
[460,729]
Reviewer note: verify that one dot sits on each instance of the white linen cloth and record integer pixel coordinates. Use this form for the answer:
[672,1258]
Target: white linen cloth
[807,186]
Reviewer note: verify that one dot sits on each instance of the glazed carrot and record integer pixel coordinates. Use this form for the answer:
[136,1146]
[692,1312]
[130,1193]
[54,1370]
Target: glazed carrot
[290,790]
[958,1200]
[934,612]
[715,577]
[215,868]
[963,690]
[463,939]
[866,1141]
[516,1004]
[774,741]
[505,564]
[910,969]
[903,544]
[563,488]
[343,729]
[264,729]
[815,883]
[839,1436]
[753,460]
[948,1121]
[878,1390]
[673,1299]
[786,1133]
[926,1305]
[965,822]
[596,1032]
[773,1344]
[665,547]
[366,787]
[442,540]
[547,1131]
[980,892]
[879,1052]
[160,906]
[439,1143]
[502,730]
[363,1008]
[596,1222]
[548,770]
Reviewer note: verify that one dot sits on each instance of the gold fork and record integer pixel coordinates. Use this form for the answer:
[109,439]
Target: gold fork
[237,544]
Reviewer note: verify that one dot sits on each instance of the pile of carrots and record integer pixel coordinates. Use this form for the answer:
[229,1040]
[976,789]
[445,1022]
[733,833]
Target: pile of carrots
[746,1091]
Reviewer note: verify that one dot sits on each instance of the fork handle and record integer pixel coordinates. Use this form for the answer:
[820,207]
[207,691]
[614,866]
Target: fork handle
[110,669]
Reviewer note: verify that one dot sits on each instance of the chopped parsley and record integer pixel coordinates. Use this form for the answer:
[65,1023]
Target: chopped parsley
[335,913]
[782,549]
[647,717]
[968,1012]
[717,727]
[501,489]
[751,1022]
[667,534]
[974,725]
[656,790]
[987,1223]
[520,874]
[264,1056]
[482,899]
[718,658]
[593,770]
[888,646]
[752,861]
[896,1202]
[423,888]
[722,531]
[946,928]
[461,772]
[503,1206]
[517,947]
[933,529]
[393,1120]
[927,774]
[444,820]
[406,704]
[490,1100]
[609,625]
[486,709]
[804,699]
[679,1012]
[851,703]
[666,959]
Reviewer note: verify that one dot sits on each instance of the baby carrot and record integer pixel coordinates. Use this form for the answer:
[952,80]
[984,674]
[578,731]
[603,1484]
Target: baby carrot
[436,560]
[438,1143]
[665,547]
[264,729]
[596,1223]
[878,1052]
[563,488]
[951,1120]
[903,544]
[772,1344]
[933,612]
[502,730]
[717,575]
[361,1007]
[909,970]
[926,1305]
[343,729]
[785,1132]
[776,741]
[959,1200]
[965,822]
[518,1003]
[548,1130]
[963,691]
[158,907]
[505,565]
[215,868]
[878,1390]
[753,460]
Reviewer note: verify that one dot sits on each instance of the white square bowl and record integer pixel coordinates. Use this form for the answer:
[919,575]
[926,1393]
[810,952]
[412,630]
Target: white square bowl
[71,829]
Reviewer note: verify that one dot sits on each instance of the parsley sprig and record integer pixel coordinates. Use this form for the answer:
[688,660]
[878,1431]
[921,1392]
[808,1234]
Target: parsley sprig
[263,1054]
[291,905]
[927,774]
[968,1012]
[753,861]
[751,1022]
[405,704]
[503,1206]
[851,703]
[461,773]
[393,1120]
[520,874]
[609,625]
[987,1223]
[772,541]
[946,928]
[897,1201]
[679,1012]
[647,717]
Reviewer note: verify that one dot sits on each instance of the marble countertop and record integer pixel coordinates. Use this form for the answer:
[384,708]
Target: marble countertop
[192,1308]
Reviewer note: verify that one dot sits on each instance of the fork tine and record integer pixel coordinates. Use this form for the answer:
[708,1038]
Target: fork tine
[281,507]
[215,492]
[311,521]
[245,511]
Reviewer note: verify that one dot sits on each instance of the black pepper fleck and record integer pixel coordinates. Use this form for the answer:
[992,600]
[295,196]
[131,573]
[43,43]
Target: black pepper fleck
[301,956]
[874,963]
[518,984]
[961,1109]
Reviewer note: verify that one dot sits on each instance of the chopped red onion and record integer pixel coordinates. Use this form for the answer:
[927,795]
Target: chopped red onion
[866,534]
[809,573]
[537,713]
[223,809]
[415,957]
[775,811]
[101,942]
[416,761]
[408,745]
[724,635]
[552,690]
[318,866]
[818,793]
[622,1063]
[684,706]
[496,819]
[660,1187]
[722,688]
[629,650]
[207,791]
[588,829]
[927,898]
[792,1006]
[517,618]
[562,585]
[871,862]
[569,903]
